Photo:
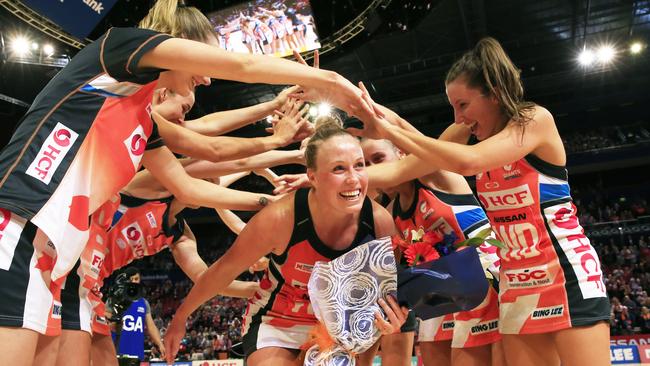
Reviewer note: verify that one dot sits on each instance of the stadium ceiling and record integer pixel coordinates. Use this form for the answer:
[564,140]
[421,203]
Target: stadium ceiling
[403,48]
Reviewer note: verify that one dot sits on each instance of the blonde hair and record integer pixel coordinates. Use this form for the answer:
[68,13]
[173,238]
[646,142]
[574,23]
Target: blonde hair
[178,20]
[488,68]
[326,128]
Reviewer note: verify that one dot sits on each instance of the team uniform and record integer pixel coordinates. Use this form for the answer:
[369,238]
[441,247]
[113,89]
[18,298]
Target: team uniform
[136,228]
[551,277]
[461,215]
[280,314]
[130,341]
[79,143]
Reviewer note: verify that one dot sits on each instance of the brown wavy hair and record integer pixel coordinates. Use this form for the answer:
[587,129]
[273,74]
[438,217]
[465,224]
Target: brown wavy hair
[488,68]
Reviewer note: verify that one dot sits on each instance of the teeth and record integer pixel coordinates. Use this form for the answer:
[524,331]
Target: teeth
[351,194]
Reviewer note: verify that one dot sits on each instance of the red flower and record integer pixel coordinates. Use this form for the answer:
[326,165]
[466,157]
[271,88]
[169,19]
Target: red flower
[432,237]
[398,242]
[420,252]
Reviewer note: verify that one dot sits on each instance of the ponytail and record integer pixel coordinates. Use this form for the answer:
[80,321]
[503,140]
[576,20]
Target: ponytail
[178,20]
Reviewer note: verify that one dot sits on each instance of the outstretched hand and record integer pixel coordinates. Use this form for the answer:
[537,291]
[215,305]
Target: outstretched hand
[173,337]
[374,123]
[291,125]
[290,182]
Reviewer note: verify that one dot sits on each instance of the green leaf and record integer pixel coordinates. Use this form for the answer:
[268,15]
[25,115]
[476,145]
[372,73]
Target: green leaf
[473,242]
[495,243]
[484,233]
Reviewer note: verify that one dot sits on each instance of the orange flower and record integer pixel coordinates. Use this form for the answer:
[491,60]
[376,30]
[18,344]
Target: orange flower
[420,252]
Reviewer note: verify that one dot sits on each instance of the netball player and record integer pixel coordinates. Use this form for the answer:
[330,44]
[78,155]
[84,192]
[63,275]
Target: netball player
[84,138]
[559,315]
[310,225]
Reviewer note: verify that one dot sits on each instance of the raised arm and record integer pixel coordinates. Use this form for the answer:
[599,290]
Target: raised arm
[203,60]
[220,148]
[195,192]
[208,169]
[267,231]
[218,123]
[510,144]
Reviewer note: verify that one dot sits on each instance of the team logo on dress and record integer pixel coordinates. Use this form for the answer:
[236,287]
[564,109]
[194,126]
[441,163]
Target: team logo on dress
[135,238]
[549,312]
[5,217]
[152,220]
[529,277]
[449,325]
[52,153]
[303,267]
[136,144]
[485,327]
[510,173]
[507,199]
[56,310]
[120,243]
[425,210]
[97,261]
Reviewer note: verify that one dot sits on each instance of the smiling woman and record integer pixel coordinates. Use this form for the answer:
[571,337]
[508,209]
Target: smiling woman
[317,224]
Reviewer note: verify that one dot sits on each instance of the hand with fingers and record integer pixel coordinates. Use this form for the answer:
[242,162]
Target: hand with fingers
[261,265]
[374,123]
[340,92]
[173,337]
[395,314]
[290,182]
[291,124]
[281,99]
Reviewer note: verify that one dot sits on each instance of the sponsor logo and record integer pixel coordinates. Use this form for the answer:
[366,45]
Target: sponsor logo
[303,267]
[96,6]
[623,354]
[485,327]
[97,261]
[576,245]
[448,325]
[56,310]
[507,199]
[479,176]
[152,220]
[491,185]
[522,240]
[149,241]
[135,238]
[510,173]
[135,144]
[52,153]
[5,218]
[140,309]
[442,226]
[549,312]
[530,277]
[510,218]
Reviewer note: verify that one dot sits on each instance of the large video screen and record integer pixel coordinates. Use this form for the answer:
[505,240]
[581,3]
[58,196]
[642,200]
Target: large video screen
[269,27]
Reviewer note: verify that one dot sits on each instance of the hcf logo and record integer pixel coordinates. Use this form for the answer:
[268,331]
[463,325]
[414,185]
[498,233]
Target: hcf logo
[136,144]
[52,153]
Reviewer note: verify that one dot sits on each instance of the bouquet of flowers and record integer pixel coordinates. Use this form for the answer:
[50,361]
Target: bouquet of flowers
[427,246]
[436,278]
